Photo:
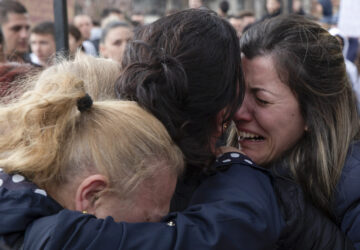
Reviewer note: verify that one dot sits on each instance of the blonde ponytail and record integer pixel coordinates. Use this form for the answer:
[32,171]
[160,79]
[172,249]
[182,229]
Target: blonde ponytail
[34,127]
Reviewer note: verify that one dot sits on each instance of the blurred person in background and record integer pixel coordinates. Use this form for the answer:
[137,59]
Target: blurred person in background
[224,7]
[241,21]
[248,18]
[273,8]
[107,15]
[323,12]
[113,12]
[114,39]
[194,4]
[11,80]
[137,18]
[11,75]
[351,68]
[95,34]
[171,11]
[42,44]
[84,24]
[297,7]
[75,40]
[2,46]
[236,22]
[327,11]
[15,25]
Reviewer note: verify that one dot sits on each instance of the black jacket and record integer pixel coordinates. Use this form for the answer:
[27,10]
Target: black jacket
[234,208]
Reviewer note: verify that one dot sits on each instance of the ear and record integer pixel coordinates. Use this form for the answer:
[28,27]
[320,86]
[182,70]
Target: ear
[102,50]
[87,191]
[306,128]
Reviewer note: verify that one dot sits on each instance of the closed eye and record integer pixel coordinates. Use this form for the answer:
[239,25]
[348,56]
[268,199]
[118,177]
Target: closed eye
[261,101]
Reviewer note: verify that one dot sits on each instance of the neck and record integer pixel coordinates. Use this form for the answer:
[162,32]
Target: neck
[63,194]
[16,57]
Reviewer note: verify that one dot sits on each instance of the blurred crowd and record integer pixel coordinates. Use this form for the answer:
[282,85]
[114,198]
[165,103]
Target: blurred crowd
[108,36]
[35,45]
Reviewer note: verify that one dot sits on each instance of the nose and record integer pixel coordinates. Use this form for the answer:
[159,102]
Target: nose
[24,33]
[244,113]
[35,47]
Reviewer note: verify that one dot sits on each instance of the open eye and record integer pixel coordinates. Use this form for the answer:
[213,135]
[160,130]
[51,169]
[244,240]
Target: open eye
[16,28]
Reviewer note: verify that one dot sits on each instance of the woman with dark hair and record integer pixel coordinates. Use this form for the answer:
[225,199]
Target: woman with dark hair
[166,71]
[75,40]
[299,116]
[185,69]
[191,79]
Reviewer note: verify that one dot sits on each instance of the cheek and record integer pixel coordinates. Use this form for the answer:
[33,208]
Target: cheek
[119,210]
[288,131]
[113,49]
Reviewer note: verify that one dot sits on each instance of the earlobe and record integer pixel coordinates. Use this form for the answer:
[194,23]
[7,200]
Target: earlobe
[102,50]
[88,191]
[306,128]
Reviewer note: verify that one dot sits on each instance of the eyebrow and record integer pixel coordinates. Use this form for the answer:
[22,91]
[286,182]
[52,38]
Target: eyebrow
[19,27]
[256,89]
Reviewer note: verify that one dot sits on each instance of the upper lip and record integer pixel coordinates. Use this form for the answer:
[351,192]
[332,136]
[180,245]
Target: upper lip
[245,131]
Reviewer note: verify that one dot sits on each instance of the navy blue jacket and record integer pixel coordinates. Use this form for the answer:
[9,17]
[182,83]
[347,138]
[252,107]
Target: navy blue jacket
[236,208]
[347,199]
[233,209]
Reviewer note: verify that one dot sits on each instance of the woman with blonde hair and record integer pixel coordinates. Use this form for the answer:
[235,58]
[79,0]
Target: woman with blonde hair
[98,74]
[108,158]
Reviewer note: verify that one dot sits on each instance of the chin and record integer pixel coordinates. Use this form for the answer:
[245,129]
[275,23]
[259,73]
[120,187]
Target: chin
[22,51]
[254,156]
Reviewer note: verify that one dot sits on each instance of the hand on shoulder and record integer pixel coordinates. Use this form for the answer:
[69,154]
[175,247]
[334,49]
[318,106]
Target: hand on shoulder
[226,149]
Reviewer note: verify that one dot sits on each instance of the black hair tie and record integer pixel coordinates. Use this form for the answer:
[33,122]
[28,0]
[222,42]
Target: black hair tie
[84,103]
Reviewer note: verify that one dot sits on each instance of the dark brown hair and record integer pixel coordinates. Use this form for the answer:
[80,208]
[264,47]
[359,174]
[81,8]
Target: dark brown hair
[310,61]
[9,6]
[185,68]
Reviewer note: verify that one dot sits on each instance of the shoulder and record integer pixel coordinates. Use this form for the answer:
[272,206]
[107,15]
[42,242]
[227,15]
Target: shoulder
[347,196]
[89,47]
[349,184]
[238,173]
[239,199]
[21,203]
[72,230]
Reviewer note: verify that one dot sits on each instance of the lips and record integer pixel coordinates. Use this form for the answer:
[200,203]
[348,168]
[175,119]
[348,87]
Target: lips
[246,136]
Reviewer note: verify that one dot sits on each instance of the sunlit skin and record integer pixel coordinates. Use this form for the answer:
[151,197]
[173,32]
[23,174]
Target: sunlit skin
[269,122]
[115,43]
[43,46]
[16,32]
